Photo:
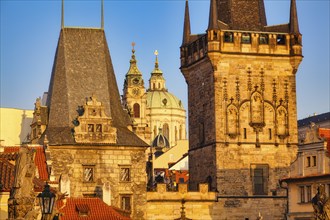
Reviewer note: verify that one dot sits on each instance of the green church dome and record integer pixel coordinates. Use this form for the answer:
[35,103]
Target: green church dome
[163,99]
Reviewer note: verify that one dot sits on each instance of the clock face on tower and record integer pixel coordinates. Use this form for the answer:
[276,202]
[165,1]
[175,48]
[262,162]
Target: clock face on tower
[136,81]
[136,92]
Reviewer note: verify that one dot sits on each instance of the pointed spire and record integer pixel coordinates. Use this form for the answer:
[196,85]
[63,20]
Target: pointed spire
[156,62]
[213,19]
[133,69]
[133,60]
[294,26]
[102,14]
[157,81]
[62,15]
[156,69]
[186,26]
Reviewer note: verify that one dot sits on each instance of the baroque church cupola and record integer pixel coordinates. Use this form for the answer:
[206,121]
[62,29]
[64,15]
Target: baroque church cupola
[157,81]
[155,108]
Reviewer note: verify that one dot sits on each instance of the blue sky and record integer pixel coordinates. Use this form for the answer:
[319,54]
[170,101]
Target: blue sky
[30,31]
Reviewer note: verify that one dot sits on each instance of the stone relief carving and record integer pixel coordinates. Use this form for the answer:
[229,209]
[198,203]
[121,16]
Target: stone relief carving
[258,109]
[92,125]
[281,120]
[232,118]
[312,134]
[321,204]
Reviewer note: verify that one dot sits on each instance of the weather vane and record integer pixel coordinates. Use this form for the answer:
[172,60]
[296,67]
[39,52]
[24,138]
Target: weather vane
[133,44]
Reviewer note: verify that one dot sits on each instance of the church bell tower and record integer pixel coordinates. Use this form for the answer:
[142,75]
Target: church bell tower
[241,77]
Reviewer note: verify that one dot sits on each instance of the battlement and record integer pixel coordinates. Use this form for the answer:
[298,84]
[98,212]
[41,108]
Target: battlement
[241,42]
[164,204]
[162,194]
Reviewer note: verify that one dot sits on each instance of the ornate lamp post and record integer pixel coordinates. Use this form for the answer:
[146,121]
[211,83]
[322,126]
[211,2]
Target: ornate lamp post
[46,201]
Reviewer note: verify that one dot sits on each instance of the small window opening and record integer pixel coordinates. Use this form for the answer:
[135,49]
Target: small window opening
[302,194]
[126,202]
[90,127]
[314,161]
[215,35]
[228,38]
[245,136]
[246,38]
[309,193]
[308,161]
[98,128]
[280,39]
[136,110]
[263,39]
[270,133]
[125,174]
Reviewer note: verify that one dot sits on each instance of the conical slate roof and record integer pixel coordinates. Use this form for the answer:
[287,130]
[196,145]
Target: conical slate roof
[82,68]
[242,14]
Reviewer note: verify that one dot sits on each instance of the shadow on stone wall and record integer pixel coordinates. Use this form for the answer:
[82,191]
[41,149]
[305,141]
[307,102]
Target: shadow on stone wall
[24,135]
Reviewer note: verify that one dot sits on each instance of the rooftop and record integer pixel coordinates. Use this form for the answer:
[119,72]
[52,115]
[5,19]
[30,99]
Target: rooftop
[88,209]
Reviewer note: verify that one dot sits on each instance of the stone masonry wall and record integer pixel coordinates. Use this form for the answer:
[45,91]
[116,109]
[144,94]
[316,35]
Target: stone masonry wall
[168,205]
[107,162]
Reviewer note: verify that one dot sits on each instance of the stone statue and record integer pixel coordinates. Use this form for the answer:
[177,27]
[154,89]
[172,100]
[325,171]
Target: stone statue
[321,204]
[22,198]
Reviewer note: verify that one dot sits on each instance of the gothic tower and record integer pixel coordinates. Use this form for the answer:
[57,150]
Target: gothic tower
[155,108]
[134,100]
[242,106]
[88,136]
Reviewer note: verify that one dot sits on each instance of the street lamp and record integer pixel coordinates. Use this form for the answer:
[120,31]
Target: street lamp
[46,201]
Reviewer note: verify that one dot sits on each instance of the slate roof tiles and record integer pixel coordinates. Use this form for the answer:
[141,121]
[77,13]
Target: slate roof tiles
[82,68]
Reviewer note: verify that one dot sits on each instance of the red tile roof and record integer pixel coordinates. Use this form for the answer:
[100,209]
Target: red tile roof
[325,133]
[39,160]
[6,175]
[9,156]
[89,209]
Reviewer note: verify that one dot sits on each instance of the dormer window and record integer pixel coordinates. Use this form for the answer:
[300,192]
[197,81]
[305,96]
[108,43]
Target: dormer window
[246,38]
[98,128]
[90,127]
[83,209]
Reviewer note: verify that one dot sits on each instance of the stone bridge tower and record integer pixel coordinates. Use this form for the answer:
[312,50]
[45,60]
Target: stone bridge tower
[241,77]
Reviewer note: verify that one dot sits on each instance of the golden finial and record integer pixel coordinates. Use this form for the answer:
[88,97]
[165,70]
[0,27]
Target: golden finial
[156,63]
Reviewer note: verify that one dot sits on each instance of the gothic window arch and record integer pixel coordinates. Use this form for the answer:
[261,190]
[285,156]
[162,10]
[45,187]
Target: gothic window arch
[136,110]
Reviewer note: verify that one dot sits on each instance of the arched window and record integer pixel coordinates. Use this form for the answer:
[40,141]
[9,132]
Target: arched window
[136,110]
[166,131]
